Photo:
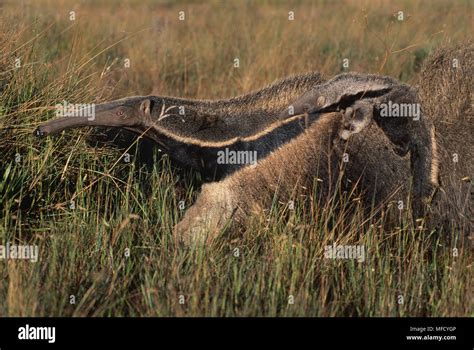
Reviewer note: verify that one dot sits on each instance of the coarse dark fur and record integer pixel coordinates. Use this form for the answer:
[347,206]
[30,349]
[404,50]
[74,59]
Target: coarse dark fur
[446,92]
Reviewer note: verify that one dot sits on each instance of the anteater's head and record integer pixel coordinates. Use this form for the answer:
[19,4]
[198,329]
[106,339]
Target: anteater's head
[131,113]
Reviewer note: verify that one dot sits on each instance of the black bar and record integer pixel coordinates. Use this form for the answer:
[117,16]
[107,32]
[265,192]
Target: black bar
[294,333]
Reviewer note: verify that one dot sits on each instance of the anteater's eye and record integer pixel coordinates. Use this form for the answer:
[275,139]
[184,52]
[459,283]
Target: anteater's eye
[120,113]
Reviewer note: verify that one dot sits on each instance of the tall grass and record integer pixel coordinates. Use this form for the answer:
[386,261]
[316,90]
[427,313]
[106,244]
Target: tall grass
[111,253]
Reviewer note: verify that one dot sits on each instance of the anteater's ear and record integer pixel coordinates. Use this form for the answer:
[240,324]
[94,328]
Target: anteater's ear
[356,118]
[146,106]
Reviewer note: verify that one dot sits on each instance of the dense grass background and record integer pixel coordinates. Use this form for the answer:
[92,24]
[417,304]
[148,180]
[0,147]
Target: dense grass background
[121,207]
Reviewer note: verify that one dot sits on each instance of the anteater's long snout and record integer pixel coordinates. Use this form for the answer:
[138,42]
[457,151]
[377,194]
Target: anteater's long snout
[102,115]
[57,125]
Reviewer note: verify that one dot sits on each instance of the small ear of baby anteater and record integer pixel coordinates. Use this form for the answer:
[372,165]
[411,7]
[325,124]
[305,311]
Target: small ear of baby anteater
[356,118]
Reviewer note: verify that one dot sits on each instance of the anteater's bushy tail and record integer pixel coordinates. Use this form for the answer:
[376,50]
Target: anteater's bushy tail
[445,89]
[446,81]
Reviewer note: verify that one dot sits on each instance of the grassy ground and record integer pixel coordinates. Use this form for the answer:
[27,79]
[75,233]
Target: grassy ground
[111,253]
